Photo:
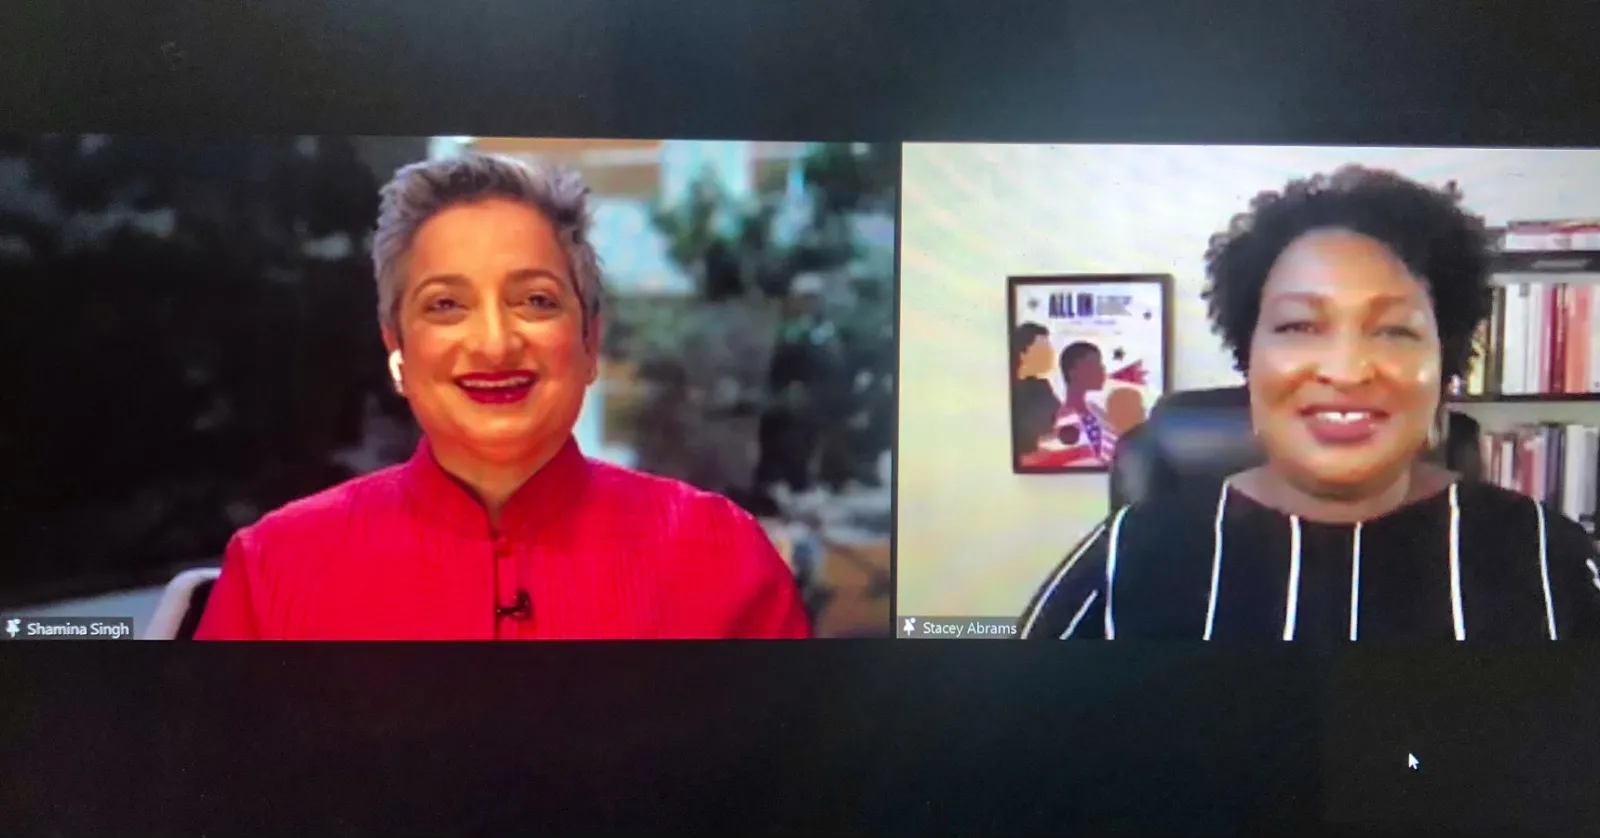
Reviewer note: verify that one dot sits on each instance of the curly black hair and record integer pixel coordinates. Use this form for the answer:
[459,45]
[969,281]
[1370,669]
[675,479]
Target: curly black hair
[1426,228]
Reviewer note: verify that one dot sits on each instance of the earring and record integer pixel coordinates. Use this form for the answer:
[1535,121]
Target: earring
[394,371]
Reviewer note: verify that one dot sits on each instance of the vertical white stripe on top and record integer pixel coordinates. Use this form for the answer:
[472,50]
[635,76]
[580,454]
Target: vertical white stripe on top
[1216,561]
[1066,566]
[1292,600]
[1455,564]
[1111,569]
[1544,571]
[1355,581]
[1073,626]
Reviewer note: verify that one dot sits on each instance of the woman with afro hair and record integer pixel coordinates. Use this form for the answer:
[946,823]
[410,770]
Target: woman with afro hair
[1349,301]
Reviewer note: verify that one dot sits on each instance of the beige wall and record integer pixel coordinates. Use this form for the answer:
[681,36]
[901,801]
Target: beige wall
[974,539]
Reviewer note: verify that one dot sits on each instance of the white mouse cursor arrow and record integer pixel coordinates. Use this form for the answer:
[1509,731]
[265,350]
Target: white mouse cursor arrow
[1412,762]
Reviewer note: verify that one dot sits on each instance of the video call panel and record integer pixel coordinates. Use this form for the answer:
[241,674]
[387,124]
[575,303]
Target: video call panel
[296,388]
[745,348]
[1054,294]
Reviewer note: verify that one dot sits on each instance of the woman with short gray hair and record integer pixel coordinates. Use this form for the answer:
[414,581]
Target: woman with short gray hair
[490,298]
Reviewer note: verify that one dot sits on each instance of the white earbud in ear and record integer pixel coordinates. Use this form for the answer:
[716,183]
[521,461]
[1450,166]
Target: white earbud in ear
[394,371]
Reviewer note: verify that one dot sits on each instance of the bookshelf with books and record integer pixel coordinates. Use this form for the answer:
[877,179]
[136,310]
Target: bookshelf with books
[1554,463]
[1539,343]
[1536,386]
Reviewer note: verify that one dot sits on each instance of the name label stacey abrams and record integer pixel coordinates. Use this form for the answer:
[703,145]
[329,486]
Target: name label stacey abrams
[978,628]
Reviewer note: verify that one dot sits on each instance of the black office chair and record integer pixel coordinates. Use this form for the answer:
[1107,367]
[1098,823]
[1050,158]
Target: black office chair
[1205,434]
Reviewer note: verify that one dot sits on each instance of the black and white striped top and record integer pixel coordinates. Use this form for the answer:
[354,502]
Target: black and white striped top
[1473,562]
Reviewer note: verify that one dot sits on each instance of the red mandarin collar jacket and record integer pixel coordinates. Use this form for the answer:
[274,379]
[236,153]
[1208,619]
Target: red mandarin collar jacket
[601,552]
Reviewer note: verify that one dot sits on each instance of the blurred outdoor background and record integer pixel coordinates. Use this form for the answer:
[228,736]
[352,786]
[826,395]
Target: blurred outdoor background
[189,340]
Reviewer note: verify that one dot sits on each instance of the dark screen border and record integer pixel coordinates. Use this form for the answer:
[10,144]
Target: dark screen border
[870,738]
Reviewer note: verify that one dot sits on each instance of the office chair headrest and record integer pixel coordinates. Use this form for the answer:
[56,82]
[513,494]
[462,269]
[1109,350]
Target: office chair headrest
[1206,435]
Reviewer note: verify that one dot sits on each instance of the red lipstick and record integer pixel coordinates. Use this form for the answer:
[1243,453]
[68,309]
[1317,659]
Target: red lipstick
[1343,423]
[508,387]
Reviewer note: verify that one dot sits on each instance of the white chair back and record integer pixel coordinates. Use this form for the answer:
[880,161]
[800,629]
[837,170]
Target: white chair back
[175,602]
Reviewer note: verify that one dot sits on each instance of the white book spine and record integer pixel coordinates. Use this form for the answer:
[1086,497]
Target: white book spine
[1514,340]
[1508,463]
[1541,461]
[1573,490]
[1533,369]
[1591,477]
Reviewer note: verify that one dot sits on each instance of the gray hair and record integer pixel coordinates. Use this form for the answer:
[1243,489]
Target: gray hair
[421,190]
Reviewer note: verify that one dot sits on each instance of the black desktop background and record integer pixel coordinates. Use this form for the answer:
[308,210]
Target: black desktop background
[847,738]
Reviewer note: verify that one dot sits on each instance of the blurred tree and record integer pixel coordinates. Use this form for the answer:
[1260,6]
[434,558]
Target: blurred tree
[752,373]
[189,336]
[851,245]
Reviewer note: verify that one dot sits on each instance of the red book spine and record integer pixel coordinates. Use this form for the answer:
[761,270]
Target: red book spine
[1577,347]
[1552,302]
[1569,337]
[1583,327]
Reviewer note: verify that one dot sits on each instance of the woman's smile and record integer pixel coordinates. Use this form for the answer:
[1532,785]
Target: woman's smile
[498,388]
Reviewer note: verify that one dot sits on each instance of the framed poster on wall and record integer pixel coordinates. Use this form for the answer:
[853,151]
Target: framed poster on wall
[1090,354]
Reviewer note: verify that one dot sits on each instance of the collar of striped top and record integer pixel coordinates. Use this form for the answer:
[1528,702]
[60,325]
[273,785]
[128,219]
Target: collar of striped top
[1449,495]
[546,496]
